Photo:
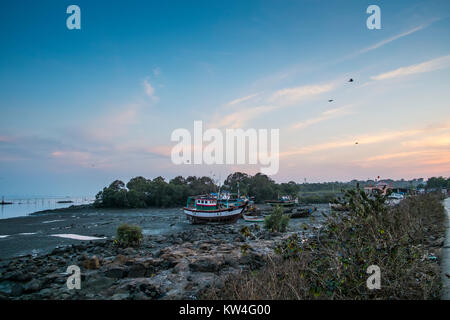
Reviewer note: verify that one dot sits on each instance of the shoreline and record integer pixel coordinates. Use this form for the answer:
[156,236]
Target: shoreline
[71,208]
[177,264]
[34,233]
[183,261]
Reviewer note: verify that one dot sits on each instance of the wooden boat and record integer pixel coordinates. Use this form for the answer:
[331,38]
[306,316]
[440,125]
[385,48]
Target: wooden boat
[64,201]
[303,213]
[282,203]
[253,218]
[203,209]
[231,199]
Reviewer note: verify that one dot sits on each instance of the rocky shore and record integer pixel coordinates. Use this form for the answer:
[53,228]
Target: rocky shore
[178,266]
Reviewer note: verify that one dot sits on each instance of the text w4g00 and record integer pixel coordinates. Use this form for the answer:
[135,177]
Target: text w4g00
[245,309]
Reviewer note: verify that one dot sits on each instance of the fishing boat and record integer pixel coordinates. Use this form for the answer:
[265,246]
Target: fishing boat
[253,218]
[284,201]
[230,199]
[64,201]
[203,209]
[302,213]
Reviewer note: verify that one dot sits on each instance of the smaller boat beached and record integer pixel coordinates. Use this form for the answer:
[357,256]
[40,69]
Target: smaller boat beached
[284,201]
[253,218]
[302,213]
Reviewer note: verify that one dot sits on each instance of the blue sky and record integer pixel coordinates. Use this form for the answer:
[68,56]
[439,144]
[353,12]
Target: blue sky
[80,108]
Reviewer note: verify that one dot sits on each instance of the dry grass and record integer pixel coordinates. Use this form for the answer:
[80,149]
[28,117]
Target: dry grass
[401,240]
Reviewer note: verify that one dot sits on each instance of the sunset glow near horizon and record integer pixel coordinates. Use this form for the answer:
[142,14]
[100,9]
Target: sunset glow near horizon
[81,108]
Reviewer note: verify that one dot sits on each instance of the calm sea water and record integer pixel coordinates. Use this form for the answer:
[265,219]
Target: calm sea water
[23,207]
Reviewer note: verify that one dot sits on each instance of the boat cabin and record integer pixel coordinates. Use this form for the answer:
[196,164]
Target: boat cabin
[205,203]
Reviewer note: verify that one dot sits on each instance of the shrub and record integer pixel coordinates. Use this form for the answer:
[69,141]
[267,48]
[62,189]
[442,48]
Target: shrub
[289,248]
[129,235]
[245,231]
[333,264]
[277,221]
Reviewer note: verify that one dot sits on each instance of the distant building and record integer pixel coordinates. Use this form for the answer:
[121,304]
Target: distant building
[380,188]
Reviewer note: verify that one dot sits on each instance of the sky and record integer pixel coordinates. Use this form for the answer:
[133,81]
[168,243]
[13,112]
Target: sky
[81,108]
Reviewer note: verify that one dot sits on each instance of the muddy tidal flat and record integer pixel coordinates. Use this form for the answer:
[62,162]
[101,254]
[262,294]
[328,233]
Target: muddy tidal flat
[176,260]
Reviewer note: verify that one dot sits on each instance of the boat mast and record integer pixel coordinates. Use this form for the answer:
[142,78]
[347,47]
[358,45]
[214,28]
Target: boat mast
[238,189]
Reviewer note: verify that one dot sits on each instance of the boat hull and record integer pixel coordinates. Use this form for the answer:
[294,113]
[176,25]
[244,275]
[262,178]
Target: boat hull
[253,219]
[228,215]
[281,203]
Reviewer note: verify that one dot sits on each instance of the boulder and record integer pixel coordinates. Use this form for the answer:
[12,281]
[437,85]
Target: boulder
[32,286]
[91,263]
[16,290]
[128,251]
[117,272]
[137,270]
[209,264]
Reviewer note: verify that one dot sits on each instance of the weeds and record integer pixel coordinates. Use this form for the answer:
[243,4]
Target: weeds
[333,264]
[276,221]
[129,235]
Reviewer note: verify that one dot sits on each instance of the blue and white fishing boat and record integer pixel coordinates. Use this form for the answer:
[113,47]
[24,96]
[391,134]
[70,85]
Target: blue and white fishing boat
[203,209]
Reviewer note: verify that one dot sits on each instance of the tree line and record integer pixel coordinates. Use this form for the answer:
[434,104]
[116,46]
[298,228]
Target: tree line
[437,183]
[140,192]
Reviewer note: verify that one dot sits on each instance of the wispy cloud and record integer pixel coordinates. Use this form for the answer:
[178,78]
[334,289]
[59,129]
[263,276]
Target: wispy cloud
[156,71]
[273,101]
[4,139]
[239,118]
[294,95]
[243,99]
[327,115]
[396,37]
[427,66]
[361,140]
[149,90]
[75,157]
[117,124]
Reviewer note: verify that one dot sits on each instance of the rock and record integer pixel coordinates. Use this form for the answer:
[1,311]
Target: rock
[232,261]
[120,259]
[206,265]
[32,286]
[115,272]
[205,246]
[98,283]
[128,251]
[137,270]
[178,241]
[252,260]
[180,267]
[16,290]
[120,296]
[91,263]
[45,293]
